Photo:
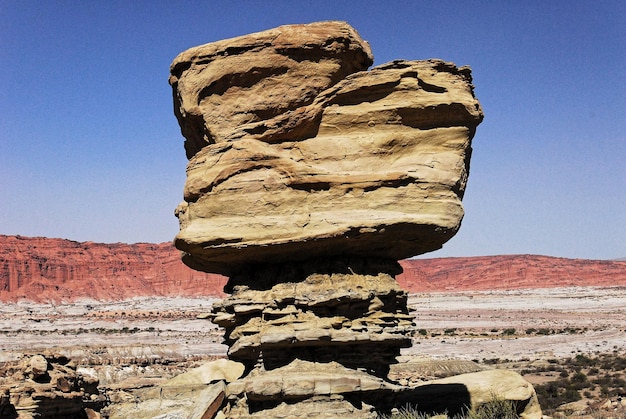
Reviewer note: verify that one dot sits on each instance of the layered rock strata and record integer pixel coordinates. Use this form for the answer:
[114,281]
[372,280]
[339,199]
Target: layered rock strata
[308,178]
[44,269]
[358,320]
[53,270]
[365,163]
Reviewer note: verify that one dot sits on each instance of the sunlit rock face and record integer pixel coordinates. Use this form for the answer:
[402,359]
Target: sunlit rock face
[309,177]
[297,151]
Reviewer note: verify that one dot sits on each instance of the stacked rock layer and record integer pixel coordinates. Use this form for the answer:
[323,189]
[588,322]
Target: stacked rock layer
[360,321]
[308,179]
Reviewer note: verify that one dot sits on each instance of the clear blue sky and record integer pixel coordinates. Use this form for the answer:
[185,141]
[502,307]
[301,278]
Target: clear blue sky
[90,149]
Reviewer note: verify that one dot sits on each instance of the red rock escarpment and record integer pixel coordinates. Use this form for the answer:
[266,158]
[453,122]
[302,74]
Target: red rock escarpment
[45,269]
[507,272]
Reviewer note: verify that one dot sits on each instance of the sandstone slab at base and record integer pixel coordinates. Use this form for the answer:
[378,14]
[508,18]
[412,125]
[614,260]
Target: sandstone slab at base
[458,393]
[210,372]
[190,402]
[307,389]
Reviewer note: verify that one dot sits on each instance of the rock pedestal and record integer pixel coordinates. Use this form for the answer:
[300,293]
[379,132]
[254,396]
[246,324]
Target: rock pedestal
[309,177]
[352,313]
[328,335]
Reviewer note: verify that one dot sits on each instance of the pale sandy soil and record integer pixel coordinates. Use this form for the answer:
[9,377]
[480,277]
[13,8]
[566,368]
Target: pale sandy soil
[581,320]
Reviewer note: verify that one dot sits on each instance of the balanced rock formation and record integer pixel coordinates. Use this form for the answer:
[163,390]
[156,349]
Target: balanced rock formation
[309,178]
[295,153]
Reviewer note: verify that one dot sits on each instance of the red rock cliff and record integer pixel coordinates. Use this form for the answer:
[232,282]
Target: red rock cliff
[508,272]
[43,269]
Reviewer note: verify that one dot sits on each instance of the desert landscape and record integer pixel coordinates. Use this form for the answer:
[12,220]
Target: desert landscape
[138,341]
[312,180]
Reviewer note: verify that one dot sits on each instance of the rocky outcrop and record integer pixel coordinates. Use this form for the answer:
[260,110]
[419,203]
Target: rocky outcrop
[361,321]
[47,385]
[309,177]
[44,269]
[298,153]
[195,394]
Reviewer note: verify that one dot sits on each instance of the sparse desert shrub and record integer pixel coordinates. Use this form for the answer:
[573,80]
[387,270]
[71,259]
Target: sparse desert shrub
[583,360]
[508,332]
[496,408]
[555,393]
[407,412]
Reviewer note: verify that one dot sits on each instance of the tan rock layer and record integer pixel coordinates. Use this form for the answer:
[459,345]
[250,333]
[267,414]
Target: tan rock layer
[46,386]
[300,158]
[303,389]
[360,321]
[236,87]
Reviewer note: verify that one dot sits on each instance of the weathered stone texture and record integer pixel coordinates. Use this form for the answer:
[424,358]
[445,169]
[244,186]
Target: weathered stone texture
[252,84]
[372,163]
[196,394]
[46,269]
[360,321]
[46,385]
[308,178]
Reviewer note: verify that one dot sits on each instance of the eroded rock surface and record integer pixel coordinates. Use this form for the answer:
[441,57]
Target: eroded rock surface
[44,269]
[54,270]
[351,162]
[47,385]
[361,321]
[195,394]
[309,178]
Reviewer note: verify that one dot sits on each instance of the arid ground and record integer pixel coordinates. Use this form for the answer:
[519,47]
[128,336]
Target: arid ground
[145,340]
[537,323]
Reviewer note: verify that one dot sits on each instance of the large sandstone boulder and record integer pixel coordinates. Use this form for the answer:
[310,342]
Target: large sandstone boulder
[308,178]
[297,152]
[245,86]
[458,393]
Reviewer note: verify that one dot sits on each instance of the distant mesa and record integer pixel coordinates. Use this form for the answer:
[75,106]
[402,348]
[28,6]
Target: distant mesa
[54,270]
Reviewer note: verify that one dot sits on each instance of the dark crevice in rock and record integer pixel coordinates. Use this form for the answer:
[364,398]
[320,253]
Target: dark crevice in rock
[264,276]
[243,80]
[431,87]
